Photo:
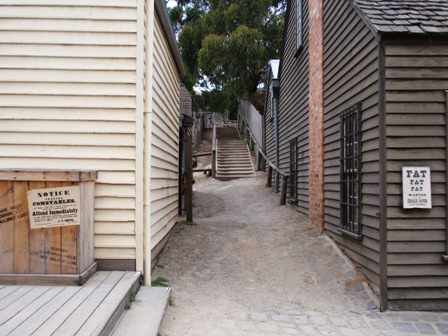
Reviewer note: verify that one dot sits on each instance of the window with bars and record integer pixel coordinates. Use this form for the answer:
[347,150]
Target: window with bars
[351,170]
[293,170]
[299,25]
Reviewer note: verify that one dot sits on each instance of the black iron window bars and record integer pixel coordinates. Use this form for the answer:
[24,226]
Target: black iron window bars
[293,170]
[351,171]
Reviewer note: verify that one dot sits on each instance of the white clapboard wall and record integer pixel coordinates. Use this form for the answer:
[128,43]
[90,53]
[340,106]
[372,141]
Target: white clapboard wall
[67,101]
[165,138]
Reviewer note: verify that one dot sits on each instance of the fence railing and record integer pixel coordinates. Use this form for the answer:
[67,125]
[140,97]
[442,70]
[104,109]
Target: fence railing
[252,118]
[271,166]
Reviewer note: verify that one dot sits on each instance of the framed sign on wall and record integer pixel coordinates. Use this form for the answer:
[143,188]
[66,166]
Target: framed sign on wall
[417,188]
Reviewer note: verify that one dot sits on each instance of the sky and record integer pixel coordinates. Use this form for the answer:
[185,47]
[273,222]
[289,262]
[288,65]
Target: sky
[171,3]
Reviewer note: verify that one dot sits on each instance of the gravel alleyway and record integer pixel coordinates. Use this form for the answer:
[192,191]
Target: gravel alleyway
[250,267]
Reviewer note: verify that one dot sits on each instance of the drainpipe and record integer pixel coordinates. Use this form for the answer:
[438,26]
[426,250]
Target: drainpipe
[276,94]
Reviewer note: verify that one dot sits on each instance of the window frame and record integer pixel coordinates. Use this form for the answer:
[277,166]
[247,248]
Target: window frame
[293,170]
[350,165]
[299,26]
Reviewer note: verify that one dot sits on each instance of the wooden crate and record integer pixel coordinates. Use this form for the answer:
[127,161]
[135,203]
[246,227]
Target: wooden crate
[58,255]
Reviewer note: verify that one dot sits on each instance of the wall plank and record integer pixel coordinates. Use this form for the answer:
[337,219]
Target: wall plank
[416,78]
[67,99]
[165,143]
[351,77]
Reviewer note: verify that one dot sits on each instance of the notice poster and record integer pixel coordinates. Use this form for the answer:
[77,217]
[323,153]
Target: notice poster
[417,188]
[54,207]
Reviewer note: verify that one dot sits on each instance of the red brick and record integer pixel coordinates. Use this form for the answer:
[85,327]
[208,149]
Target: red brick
[316,113]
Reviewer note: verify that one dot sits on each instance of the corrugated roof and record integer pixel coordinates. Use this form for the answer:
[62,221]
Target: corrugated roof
[405,16]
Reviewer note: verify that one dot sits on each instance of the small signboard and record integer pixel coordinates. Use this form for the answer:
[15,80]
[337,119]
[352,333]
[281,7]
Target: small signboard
[417,188]
[54,207]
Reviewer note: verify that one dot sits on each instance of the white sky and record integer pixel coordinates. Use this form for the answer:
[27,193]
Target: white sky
[171,3]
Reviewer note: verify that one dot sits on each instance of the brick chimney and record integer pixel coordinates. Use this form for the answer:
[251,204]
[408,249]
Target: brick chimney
[316,113]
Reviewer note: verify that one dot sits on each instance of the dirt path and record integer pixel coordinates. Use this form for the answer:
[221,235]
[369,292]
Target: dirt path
[247,258]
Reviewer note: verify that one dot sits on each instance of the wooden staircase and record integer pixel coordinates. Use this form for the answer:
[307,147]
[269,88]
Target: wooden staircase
[233,156]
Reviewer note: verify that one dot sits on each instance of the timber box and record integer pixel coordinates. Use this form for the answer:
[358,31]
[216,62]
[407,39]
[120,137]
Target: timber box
[62,253]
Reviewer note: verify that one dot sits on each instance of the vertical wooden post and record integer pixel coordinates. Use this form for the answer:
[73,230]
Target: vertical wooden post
[283,190]
[187,132]
[262,162]
[269,181]
[189,177]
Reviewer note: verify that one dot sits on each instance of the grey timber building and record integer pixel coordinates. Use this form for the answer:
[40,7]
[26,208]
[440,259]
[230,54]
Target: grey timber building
[384,74]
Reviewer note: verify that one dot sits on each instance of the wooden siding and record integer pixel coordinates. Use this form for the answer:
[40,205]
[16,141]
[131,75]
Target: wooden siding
[416,80]
[294,101]
[351,77]
[186,102]
[165,138]
[67,101]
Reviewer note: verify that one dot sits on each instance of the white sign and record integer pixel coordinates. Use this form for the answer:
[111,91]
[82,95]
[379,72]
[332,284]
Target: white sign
[54,207]
[417,188]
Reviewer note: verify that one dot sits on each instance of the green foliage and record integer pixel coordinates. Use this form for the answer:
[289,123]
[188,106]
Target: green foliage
[213,100]
[160,282]
[225,44]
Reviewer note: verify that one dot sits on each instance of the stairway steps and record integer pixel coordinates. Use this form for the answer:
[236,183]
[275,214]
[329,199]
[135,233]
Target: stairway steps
[233,156]
[237,168]
[235,164]
[232,151]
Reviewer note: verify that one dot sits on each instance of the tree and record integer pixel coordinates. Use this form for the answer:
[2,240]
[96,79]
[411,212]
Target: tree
[226,43]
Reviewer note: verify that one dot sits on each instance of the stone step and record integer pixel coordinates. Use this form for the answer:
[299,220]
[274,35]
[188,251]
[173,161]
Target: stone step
[145,314]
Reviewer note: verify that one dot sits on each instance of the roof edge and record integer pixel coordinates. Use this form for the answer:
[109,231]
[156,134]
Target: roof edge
[378,31]
[166,24]
[364,18]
